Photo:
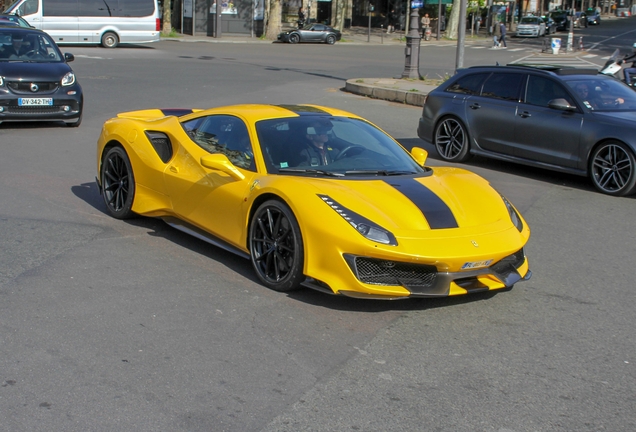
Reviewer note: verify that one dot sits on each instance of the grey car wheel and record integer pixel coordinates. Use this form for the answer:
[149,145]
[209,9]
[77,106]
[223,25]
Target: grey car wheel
[110,40]
[294,38]
[451,140]
[613,169]
[276,246]
[331,39]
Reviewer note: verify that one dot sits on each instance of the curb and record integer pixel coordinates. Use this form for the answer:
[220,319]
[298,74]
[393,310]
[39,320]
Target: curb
[415,97]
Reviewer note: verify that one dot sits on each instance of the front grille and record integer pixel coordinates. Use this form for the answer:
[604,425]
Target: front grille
[44,109]
[382,272]
[24,87]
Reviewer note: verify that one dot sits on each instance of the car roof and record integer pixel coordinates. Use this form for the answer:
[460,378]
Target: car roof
[563,72]
[23,30]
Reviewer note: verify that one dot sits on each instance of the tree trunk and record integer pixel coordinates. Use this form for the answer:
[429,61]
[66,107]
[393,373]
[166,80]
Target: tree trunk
[453,22]
[167,17]
[273,20]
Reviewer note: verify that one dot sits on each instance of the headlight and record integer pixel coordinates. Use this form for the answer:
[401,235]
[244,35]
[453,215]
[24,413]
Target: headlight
[514,216]
[361,224]
[69,79]
[1,81]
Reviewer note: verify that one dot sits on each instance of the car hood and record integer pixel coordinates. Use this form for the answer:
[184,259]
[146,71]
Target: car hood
[450,198]
[33,71]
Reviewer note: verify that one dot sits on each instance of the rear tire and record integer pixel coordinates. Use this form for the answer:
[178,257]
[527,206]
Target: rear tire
[110,40]
[613,169]
[276,246]
[451,140]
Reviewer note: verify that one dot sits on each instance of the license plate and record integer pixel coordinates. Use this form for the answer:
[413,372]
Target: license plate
[476,264]
[35,101]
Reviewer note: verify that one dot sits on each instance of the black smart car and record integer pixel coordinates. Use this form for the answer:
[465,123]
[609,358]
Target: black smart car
[564,119]
[36,82]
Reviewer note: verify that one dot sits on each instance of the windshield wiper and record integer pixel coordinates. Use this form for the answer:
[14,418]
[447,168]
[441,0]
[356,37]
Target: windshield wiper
[378,172]
[310,171]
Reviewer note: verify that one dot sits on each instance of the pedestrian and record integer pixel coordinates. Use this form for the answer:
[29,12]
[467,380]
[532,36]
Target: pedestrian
[502,38]
[426,26]
[390,25]
[496,35]
[301,17]
[477,24]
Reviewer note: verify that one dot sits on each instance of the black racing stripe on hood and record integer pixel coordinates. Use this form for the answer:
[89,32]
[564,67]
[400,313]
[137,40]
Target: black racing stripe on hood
[177,112]
[304,110]
[436,212]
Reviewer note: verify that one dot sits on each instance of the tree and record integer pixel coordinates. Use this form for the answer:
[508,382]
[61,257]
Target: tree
[273,19]
[453,24]
[167,16]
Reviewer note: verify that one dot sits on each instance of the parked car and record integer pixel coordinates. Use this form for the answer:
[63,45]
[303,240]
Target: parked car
[580,19]
[550,25]
[540,117]
[317,33]
[560,18]
[21,22]
[313,196]
[593,16]
[36,82]
[531,26]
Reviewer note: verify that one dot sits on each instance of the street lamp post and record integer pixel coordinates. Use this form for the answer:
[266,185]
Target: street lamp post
[412,50]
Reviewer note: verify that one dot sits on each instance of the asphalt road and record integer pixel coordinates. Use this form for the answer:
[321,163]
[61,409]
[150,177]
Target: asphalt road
[110,326]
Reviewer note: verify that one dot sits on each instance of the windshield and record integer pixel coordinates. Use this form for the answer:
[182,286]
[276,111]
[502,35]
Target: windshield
[529,20]
[334,146]
[604,94]
[27,46]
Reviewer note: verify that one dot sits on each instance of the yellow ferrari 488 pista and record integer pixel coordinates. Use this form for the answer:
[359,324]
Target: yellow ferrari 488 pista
[314,197]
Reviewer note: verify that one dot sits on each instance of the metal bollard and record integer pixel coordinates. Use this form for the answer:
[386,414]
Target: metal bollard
[581,43]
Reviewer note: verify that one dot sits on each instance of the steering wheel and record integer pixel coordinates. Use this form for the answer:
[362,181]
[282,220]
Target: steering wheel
[358,149]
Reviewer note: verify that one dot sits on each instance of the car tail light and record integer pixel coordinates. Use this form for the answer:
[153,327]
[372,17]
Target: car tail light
[158,26]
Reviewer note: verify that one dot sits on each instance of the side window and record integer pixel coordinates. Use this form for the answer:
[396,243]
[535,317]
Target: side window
[28,7]
[319,27]
[542,90]
[469,84]
[97,8]
[138,8]
[503,85]
[223,134]
[60,8]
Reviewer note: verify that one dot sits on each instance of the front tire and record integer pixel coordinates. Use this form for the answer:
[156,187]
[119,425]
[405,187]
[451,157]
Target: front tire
[451,140]
[276,247]
[331,39]
[613,169]
[118,183]
[110,40]
[294,38]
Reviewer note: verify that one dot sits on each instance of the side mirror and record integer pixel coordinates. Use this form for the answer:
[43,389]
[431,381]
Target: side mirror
[561,105]
[69,57]
[420,155]
[220,162]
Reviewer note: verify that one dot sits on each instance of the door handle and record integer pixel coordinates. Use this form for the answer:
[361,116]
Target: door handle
[474,106]
[525,114]
[174,169]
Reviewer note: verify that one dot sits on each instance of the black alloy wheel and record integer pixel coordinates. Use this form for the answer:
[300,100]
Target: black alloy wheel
[451,140]
[613,169]
[118,183]
[276,246]
[294,38]
[331,39]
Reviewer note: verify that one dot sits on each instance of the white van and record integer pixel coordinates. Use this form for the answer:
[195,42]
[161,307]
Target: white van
[105,22]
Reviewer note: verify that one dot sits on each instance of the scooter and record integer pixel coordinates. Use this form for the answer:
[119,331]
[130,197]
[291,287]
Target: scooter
[614,65]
